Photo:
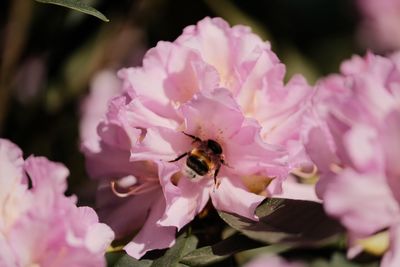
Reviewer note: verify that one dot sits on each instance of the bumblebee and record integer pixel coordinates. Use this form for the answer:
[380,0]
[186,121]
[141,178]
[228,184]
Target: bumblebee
[204,158]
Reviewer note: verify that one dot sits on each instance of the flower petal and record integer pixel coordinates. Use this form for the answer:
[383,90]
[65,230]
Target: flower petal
[103,87]
[363,148]
[46,174]
[7,257]
[11,165]
[210,38]
[214,116]
[391,145]
[294,190]
[247,153]
[183,200]
[342,201]
[392,257]
[98,237]
[232,196]
[161,144]
[124,215]
[152,236]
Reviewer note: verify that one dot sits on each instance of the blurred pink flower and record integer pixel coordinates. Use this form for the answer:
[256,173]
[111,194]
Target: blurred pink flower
[104,86]
[39,226]
[215,83]
[272,261]
[356,147]
[379,26]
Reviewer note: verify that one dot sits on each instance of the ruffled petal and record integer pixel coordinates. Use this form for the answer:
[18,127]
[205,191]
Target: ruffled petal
[187,75]
[14,198]
[161,144]
[184,197]
[264,74]
[152,236]
[212,116]
[247,153]
[228,50]
[233,197]
[124,215]
[103,87]
[343,201]
[11,165]
[111,161]
[46,174]
[363,148]
[138,115]
[294,190]
[211,38]
[98,237]
[148,80]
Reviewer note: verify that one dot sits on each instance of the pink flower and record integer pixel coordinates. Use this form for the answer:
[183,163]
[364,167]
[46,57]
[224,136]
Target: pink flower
[210,117]
[356,148]
[379,25]
[220,85]
[213,55]
[39,225]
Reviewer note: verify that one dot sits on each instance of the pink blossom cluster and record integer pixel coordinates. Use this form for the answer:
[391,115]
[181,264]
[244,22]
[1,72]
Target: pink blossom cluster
[39,226]
[208,118]
[355,143]
[217,90]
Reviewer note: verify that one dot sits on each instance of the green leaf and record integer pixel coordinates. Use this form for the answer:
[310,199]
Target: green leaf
[306,220]
[78,6]
[212,254]
[113,257]
[255,230]
[184,245]
[297,222]
[247,255]
[121,259]
[202,257]
[128,261]
[340,260]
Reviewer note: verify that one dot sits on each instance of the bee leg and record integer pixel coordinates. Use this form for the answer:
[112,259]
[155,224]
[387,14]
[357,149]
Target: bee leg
[215,175]
[223,162]
[216,182]
[179,157]
[195,138]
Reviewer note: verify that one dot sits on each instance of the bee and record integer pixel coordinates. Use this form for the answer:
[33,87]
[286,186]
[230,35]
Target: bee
[204,158]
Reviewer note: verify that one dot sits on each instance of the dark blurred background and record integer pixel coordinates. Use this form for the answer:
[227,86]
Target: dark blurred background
[50,53]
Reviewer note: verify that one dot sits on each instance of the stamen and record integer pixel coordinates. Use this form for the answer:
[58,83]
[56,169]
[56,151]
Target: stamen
[306,174]
[335,168]
[216,185]
[127,181]
[134,189]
